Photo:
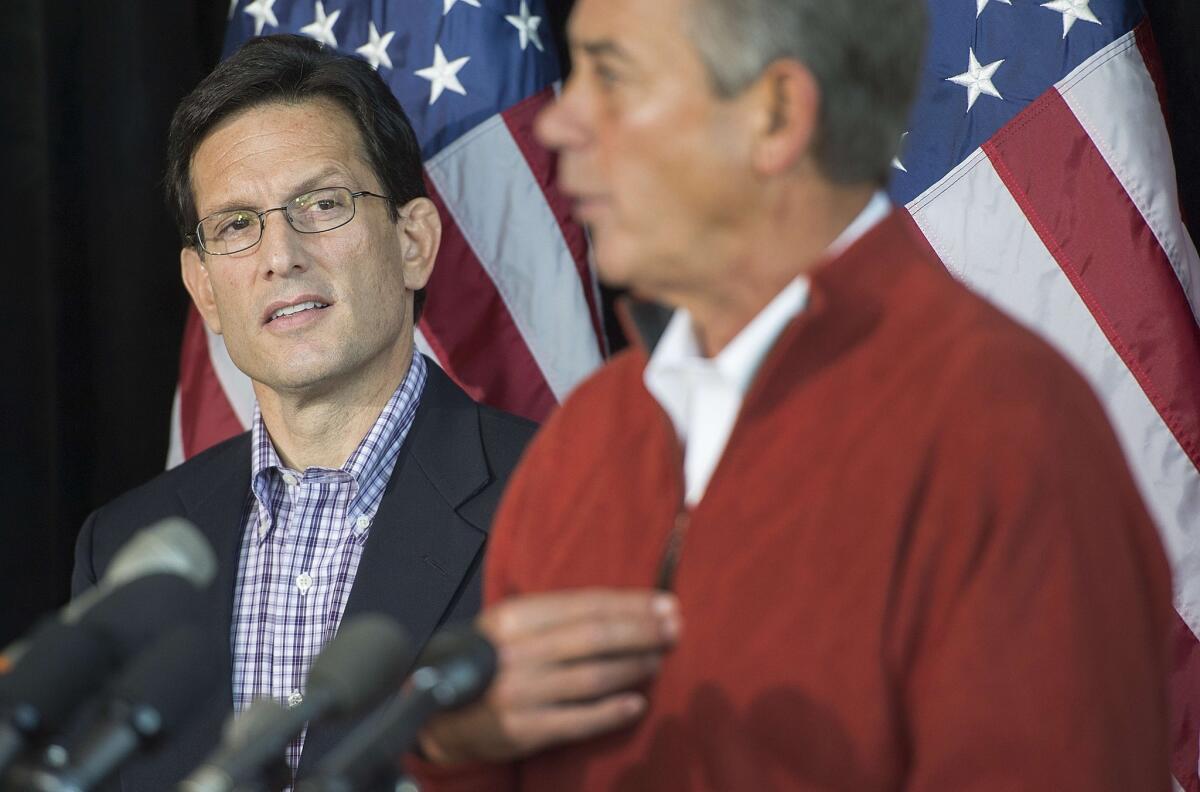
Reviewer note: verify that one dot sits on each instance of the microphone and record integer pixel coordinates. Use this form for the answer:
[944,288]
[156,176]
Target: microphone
[64,664]
[173,546]
[454,670]
[364,661]
[151,698]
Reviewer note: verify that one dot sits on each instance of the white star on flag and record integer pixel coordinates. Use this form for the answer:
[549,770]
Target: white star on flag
[1072,10]
[232,8]
[448,4]
[375,50]
[526,26]
[321,28]
[443,74]
[977,79]
[982,4]
[262,13]
[896,163]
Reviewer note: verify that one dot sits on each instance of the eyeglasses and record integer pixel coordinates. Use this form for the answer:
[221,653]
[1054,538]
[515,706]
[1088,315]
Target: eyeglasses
[235,230]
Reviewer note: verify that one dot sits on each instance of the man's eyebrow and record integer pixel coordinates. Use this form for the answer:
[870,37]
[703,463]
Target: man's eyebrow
[603,48]
[331,176]
[340,178]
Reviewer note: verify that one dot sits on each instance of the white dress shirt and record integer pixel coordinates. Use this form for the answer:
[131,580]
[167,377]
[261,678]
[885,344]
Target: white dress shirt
[703,395]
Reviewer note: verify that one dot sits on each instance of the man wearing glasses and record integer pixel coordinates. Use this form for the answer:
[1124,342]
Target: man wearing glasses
[368,479]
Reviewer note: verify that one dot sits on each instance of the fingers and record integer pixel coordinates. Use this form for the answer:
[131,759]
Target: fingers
[569,663]
[568,626]
[575,683]
[481,734]
[535,613]
[553,726]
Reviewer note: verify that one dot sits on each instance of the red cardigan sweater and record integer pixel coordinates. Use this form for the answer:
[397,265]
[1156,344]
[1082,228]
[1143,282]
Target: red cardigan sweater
[921,563]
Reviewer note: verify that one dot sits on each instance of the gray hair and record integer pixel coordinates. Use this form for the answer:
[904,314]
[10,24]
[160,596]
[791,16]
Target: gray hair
[865,56]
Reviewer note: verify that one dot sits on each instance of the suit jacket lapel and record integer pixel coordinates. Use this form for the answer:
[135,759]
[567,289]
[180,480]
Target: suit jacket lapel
[424,544]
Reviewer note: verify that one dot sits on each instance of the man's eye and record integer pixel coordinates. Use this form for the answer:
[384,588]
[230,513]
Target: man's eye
[234,224]
[606,75]
[317,204]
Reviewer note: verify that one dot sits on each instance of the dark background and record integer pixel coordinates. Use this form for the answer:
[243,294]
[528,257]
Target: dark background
[92,308]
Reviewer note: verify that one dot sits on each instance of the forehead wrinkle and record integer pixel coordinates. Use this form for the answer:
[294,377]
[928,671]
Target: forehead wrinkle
[333,175]
[288,144]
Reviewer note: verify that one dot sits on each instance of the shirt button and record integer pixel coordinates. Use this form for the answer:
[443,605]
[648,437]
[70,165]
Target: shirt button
[363,522]
[264,525]
[304,582]
[289,479]
[295,698]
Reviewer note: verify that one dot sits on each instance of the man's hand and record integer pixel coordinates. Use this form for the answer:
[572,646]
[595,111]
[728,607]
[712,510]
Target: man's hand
[568,663]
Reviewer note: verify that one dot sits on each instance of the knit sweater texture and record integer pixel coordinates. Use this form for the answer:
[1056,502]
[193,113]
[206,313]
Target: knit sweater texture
[920,564]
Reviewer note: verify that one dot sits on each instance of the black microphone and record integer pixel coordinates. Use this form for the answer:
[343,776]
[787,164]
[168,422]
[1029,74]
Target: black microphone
[454,670]
[151,698]
[364,661]
[64,665]
[172,546]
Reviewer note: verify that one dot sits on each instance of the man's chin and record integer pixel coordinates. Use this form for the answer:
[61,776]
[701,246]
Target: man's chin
[612,268]
[293,379]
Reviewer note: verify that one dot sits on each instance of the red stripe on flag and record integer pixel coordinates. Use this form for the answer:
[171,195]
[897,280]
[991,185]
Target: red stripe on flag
[468,324]
[1083,215]
[1184,692]
[205,416]
[544,165]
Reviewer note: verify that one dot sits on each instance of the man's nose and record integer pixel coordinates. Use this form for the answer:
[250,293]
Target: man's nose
[281,249]
[561,125]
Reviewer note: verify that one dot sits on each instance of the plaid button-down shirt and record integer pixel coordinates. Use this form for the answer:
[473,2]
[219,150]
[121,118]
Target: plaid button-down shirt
[304,536]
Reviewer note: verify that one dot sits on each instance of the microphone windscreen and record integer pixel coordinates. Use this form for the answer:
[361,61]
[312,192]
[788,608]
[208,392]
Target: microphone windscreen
[365,660]
[462,662]
[132,615]
[168,680]
[62,666]
[171,545]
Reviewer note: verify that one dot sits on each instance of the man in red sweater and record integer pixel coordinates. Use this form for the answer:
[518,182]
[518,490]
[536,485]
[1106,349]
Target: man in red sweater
[903,549]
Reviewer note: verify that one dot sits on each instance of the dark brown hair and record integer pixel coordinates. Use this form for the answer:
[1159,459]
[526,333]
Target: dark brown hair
[293,69]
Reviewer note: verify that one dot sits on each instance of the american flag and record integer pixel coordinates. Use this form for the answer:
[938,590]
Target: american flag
[1037,164]
[1039,168]
[513,312]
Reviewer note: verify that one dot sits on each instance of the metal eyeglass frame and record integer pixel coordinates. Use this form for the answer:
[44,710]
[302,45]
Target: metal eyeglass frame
[196,238]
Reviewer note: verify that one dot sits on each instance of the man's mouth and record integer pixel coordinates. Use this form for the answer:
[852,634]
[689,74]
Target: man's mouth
[295,308]
[585,207]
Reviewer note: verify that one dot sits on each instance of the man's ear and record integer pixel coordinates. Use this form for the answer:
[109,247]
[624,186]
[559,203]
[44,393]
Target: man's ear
[787,106]
[420,229]
[195,279]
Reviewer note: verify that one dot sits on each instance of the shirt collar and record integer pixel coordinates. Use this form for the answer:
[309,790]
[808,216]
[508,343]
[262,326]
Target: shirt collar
[875,211]
[677,354]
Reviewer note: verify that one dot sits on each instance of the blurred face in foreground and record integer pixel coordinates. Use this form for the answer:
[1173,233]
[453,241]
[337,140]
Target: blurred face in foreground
[660,168]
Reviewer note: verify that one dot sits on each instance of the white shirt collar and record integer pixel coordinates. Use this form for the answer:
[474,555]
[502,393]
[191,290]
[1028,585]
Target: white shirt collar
[702,395]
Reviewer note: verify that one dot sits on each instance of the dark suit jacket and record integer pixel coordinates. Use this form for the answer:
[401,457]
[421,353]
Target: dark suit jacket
[421,564]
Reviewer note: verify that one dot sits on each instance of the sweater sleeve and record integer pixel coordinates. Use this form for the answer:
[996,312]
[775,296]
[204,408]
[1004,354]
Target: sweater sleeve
[1030,627]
